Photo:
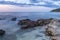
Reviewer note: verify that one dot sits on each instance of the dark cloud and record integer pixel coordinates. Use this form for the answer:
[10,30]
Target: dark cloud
[56,0]
[49,3]
[34,1]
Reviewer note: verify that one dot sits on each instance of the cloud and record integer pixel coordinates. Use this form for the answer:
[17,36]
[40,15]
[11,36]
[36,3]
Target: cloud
[1,0]
[48,3]
[42,3]
[18,1]
[11,8]
[57,3]
[51,3]
[34,1]
[56,0]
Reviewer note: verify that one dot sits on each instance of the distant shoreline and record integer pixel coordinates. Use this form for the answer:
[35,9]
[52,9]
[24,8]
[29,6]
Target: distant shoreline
[22,12]
[56,10]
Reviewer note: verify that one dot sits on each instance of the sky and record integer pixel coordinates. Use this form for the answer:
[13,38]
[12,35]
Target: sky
[37,2]
[28,5]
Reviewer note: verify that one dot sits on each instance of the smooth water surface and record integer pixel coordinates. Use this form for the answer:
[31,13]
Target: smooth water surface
[13,31]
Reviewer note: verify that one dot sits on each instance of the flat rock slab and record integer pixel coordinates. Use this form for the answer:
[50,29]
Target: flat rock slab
[54,28]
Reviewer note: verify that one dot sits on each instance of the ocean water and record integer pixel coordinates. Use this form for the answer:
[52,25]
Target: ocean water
[13,30]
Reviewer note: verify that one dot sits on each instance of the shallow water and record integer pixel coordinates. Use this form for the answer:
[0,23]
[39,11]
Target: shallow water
[13,31]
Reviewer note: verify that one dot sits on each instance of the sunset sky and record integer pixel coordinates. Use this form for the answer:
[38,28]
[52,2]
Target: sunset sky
[35,5]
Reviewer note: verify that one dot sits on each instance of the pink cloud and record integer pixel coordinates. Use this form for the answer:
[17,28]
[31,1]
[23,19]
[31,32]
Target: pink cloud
[12,8]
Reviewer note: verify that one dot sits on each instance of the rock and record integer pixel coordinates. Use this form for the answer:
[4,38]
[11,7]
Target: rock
[50,18]
[27,23]
[51,27]
[14,19]
[42,22]
[2,32]
[50,32]
[30,24]
[54,38]
[22,22]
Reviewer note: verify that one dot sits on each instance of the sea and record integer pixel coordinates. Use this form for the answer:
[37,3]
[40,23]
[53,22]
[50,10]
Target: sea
[13,30]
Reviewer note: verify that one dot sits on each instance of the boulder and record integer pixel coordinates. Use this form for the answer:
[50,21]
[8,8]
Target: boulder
[14,19]
[51,28]
[2,32]
[41,22]
[24,21]
[27,23]
[50,32]
[30,24]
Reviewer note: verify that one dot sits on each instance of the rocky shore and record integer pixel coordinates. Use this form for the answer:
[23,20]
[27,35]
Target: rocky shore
[27,23]
[52,29]
[51,26]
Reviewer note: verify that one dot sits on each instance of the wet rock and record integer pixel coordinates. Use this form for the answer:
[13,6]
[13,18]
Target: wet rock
[51,28]
[24,21]
[30,24]
[50,32]
[14,19]
[53,38]
[42,22]
[2,32]
[27,23]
